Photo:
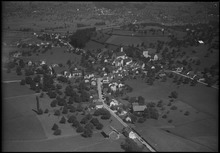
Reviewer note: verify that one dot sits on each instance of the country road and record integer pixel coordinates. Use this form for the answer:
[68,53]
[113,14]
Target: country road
[118,118]
[11,81]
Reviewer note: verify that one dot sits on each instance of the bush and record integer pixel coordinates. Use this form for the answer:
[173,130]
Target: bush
[164,116]
[159,104]
[186,113]
[80,129]
[63,120]
[169,104]
[170,121]
[57,132]
[42,95]
[151,104]
[46,111]
[99,126]
[55,127]
[40,111]
[105,117]
[174,94]
[22,82]
[173,108]
[57,113]
[141,120]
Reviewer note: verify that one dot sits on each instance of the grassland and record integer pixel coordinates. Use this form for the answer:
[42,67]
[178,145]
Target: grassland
[201,103]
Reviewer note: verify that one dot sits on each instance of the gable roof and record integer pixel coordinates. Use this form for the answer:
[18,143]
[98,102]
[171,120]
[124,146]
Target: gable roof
[138,108]
[120,54]
[107,130]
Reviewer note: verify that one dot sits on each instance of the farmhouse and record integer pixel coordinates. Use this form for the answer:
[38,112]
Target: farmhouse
[138,108]
[108,132]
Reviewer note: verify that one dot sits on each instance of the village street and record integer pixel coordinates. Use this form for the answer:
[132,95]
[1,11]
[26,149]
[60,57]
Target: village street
[118,118]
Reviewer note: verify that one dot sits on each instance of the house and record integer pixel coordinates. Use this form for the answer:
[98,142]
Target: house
[121,55]
[113,102]
[109,132]
[155,57]
[98,103]
[105,80]
[128,119]
[138,108]
[127,61]
[93,82]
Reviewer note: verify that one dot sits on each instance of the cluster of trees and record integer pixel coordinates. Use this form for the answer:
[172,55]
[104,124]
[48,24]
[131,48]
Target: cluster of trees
[103,112]
[81,37]
[130,145]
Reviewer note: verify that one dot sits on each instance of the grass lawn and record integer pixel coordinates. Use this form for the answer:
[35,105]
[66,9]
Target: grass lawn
[57,56]
[93,45]
[19,121]
[123,40]
[11,76]
[71,143]
[15,89]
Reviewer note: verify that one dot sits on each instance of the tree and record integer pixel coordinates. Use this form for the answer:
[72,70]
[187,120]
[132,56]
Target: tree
[141,120]
[75,124]
[84,120]
[63,120]
[65,110]
[57,132]
[89,126]
[54,103]
[72,109]
[141,100]
[99,126]
[28,80]
[80,129]
[87,133]
[71,119]
[174,94]
[130,146]
[18,70]
[55,126]
[46,111]
[57,113]
[94,121]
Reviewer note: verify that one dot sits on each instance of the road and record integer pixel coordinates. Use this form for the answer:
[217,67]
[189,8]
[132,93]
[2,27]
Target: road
[192,79]
[11,81]
[118,118]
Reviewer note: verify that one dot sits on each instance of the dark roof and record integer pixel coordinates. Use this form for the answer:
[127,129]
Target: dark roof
[120,53]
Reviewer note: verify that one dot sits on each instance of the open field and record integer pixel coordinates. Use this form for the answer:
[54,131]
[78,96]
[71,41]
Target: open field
[15,89]
[57,56]
[124,40]
[19,121]
[11,76]
[71,143]
[200,101]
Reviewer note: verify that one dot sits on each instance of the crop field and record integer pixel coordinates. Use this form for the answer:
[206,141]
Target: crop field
[11,76]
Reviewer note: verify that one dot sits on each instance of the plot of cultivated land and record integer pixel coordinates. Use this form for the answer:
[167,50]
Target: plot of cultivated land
[19,121]
[123,40]
[15,89]
[164,141]
[57,56]
[72,143]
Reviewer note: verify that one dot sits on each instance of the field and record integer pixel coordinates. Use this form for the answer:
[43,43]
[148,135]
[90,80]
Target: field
[201,103]
[124,40]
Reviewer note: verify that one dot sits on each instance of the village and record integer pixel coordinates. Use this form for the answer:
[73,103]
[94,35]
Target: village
[119,83]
